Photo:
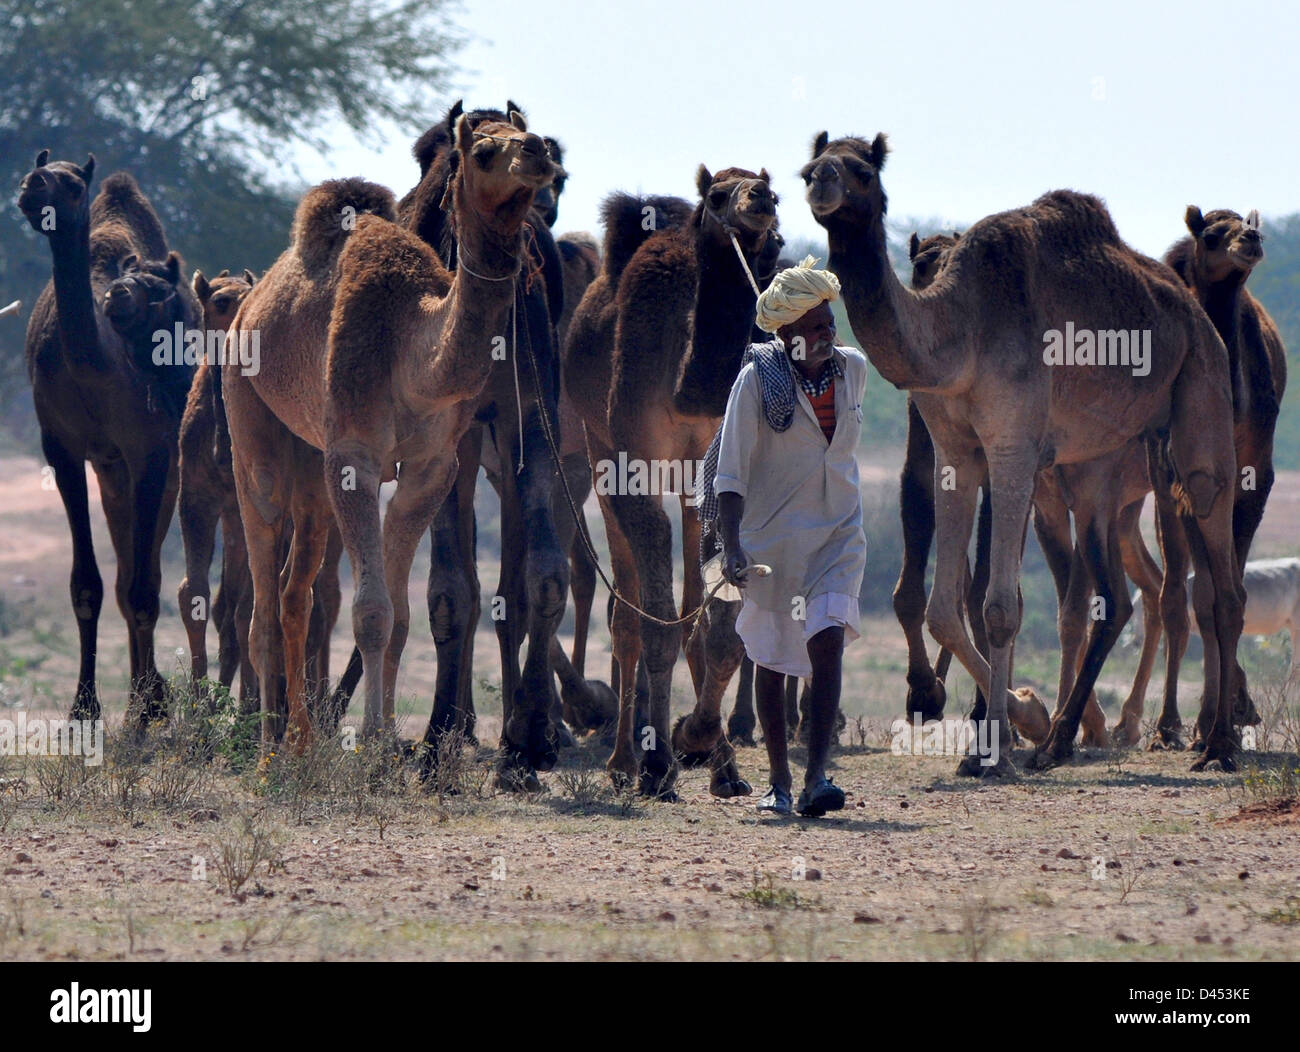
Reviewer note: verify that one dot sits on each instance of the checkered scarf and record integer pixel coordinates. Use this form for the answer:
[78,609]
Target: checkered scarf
[776,385]
[816,388]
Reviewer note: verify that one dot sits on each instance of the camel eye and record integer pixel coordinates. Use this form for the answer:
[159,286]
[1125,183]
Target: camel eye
[717,198]
[1212,241]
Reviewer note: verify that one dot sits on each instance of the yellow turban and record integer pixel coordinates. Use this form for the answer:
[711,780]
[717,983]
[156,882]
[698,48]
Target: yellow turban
[793,293]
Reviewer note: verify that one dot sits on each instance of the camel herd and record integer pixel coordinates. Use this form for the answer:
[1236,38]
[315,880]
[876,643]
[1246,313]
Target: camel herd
[418,340]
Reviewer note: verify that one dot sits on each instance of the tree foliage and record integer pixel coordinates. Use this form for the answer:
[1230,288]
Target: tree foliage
[199,100]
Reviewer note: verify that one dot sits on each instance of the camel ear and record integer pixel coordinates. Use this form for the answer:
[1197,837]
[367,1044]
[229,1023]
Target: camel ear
[518,120]
[820,142]
[128,262]
[88,169]
[514,107]
[464,134]
[1194,220]
[1252,219]
[41,158]
[224,274]
[250,277]
[913,245]
[174,267]
[454,113]
[762,174]
[956,235]
[879,149]
[703,180]
[200,286]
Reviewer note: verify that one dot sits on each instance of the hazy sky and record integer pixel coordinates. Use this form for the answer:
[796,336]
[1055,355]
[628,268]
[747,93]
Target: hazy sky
[1153,106]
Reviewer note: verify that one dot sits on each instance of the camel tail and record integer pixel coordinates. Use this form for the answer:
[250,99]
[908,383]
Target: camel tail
[121,201]
[631,220]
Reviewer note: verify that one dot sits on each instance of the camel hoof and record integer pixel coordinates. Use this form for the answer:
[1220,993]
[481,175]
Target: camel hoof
[929,700]
[725,787]
[969,767]
[623,773]
[740,732]
[1220,753]
[513,777]
[564,738]
[1125,736]
[1045,757]
[1004,770]
[658,775]
[691,743]
[1167,739]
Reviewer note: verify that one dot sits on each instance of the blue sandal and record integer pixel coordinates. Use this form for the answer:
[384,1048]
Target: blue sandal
[822,797]
[777,801]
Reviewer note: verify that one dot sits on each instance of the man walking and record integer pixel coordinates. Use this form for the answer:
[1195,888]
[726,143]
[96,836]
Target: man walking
[787,492]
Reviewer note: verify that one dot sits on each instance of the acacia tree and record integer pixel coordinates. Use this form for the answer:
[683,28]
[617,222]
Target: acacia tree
[199,99]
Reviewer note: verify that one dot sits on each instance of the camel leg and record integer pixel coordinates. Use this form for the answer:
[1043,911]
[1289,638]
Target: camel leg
[740,727]
[1173,614]
[1247,513]
[692,596]
[1098,544]
[571,533]
[1142,569]
[698,737]
[925,692]
[1011,478]
[453,601]
[85,583]
[200,510]
[311,526]
[539,584]
[249,693]
[977,585]
[645,525]
[329,594]
[153,495]
[352,477]
[625,637]
[421,489]
[231,646]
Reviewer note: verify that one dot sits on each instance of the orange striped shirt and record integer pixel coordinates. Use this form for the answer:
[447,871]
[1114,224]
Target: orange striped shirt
[824,406]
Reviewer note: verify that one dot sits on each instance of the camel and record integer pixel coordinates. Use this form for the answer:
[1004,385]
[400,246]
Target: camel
[972,349]
[372,354]
[207,496]
[522,388]
[652,352]
[1215,261]
[100,397]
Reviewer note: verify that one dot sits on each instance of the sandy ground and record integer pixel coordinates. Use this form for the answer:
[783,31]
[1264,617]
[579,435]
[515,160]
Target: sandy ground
[1120,855]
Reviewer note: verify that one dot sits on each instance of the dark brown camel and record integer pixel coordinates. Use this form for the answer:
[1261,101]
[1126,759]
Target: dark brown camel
[974,351]
[100,397]
[372,354]
[653,351]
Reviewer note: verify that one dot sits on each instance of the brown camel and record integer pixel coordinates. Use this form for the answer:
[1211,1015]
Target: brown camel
[100,397]
[511,416]
[207,496]
[372,354]
[972,350]
[652,353]
[1215,262]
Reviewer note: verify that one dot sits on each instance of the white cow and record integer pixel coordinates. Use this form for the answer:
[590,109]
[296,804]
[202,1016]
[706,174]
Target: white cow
[1272,604]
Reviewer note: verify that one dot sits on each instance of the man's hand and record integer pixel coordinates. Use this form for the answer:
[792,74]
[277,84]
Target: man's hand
[734,560]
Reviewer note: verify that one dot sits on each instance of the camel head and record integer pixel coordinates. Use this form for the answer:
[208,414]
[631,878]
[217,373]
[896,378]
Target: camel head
[1225,243]
[928,257]
[220,298]
[843,179]
[547,201]
[144,297]
[736,200]
[769,257]
[59,192]
[499,165]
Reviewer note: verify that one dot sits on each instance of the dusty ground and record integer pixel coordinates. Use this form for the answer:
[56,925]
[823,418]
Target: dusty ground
[1122,855]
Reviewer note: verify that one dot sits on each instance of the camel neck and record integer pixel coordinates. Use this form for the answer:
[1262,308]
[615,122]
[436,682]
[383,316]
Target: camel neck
[74,300]
[723,321]
[893,324]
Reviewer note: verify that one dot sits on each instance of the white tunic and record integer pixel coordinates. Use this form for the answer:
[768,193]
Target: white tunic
[802,516]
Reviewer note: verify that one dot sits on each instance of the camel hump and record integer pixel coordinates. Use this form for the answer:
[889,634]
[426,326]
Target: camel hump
[121,202]
[383,271]
[631,220]
[1080,214]
[331,210]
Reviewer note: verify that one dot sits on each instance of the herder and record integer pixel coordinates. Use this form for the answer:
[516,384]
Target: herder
[787,492]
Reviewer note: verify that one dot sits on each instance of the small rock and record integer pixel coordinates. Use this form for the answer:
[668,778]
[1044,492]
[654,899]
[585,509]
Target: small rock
[714,887]
[471,885]
[865,918]
[667,915]
[22,856]
[812,874]
[904,804]
[110,842]
[1202,939]
[1124,938]
[1065,852]
[1243,875]
[205,814]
